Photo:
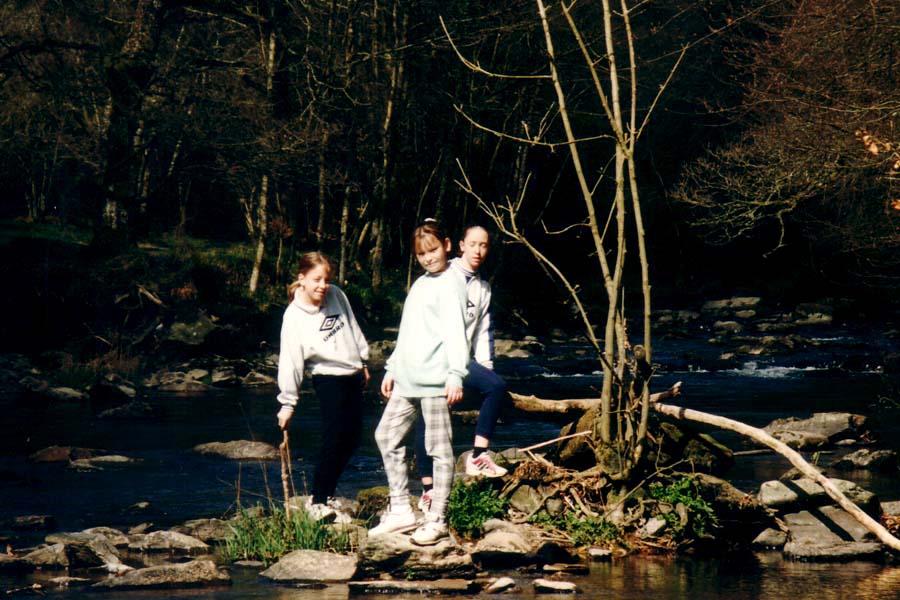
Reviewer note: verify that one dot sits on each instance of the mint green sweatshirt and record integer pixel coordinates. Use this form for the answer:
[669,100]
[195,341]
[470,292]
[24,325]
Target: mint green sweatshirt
[432,350]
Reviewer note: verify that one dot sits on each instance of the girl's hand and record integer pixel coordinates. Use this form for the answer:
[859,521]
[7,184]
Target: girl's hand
[454,395]
[387,385]
[284,419]
[366,377]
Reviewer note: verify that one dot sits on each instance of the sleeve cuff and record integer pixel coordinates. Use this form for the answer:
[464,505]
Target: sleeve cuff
[454,381]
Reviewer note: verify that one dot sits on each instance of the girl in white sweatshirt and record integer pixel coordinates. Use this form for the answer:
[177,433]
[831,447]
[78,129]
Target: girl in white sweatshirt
[320,333]
[424,373]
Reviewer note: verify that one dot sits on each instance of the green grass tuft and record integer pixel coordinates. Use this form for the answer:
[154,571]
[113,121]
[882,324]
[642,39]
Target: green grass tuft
[268,537]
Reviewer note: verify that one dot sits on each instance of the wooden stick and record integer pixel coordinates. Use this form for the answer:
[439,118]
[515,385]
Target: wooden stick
[285,451]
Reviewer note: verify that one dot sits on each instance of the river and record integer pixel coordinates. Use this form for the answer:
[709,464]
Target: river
[842,372]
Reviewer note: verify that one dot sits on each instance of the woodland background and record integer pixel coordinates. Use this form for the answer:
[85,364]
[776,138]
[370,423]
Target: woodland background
[223,137]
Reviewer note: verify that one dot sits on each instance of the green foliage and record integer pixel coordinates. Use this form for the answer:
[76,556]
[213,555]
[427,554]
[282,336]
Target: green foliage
[47,230]
[371,502]
[267,537]
[585,531]
[471,504]
[685,491]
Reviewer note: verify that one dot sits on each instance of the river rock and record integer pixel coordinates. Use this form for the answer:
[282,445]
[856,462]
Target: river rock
[550,586]
[727,327]
[51,556]
[225,376]
[64,394]
[113,536]
[396,554]
[312,565]
[600,554]
[731,304]
[740,515]
[883,460]
[834,552]
[102,461]
[838,523]
[891,509]
[85,549]
[63,453]
[205,530]
[132,410]
[804,493]
[255,379]
[440,587]
[705,454]
[112,389]
[503,584]
[240,450]
[652,528]
[818,430]
[32,523]
[525,348]
[506,544]
[770,539]
[196,573]
[169,541]
[67,582]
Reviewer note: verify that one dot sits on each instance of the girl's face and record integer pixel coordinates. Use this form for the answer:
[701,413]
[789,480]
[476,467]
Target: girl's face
[315,284]
[432,253]
[474,248]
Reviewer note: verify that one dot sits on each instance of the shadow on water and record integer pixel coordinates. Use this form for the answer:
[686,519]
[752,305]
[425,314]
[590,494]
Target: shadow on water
[179,484]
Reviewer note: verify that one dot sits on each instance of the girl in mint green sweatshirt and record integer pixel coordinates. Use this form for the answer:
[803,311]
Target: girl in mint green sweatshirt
[424,373]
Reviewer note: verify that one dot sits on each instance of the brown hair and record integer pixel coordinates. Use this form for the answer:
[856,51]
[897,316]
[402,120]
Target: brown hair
[428,227]
[307,262]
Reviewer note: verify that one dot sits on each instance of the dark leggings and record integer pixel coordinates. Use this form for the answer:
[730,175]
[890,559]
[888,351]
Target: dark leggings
[340,403]
[491,388]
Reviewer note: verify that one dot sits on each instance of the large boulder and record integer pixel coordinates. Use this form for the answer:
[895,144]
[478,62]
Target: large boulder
[168,541]
[685,445]
[829,534]
[312,565]
[397,555]
[819,430]
[240,450]
[806,493]
[85,550]
[196,573]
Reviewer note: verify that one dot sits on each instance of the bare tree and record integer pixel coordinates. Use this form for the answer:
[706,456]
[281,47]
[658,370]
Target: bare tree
[621,427]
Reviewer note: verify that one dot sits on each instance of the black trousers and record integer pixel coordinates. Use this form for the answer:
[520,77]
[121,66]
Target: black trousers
[340,402]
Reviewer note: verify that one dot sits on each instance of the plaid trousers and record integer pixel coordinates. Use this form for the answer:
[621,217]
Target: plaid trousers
[399,416]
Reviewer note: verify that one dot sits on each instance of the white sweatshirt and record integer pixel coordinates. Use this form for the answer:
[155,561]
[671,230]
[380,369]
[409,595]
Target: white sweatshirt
[326,339]
[479,326]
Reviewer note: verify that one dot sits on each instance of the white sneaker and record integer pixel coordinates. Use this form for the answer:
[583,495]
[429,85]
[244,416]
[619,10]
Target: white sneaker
[319,512]
[484,465]
[425,502]
[430,532]
[392,522]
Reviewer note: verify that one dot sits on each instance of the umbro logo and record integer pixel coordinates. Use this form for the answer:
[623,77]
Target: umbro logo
[329,322]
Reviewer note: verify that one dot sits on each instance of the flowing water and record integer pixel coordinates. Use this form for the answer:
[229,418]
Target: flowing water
[842,373]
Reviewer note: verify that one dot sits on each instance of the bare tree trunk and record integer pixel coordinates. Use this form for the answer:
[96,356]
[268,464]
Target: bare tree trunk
[320,227]
[260,234]
[262,208]
[345,221]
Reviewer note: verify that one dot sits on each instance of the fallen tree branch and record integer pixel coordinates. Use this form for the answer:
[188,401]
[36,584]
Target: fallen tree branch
[533,404]
[761,437]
